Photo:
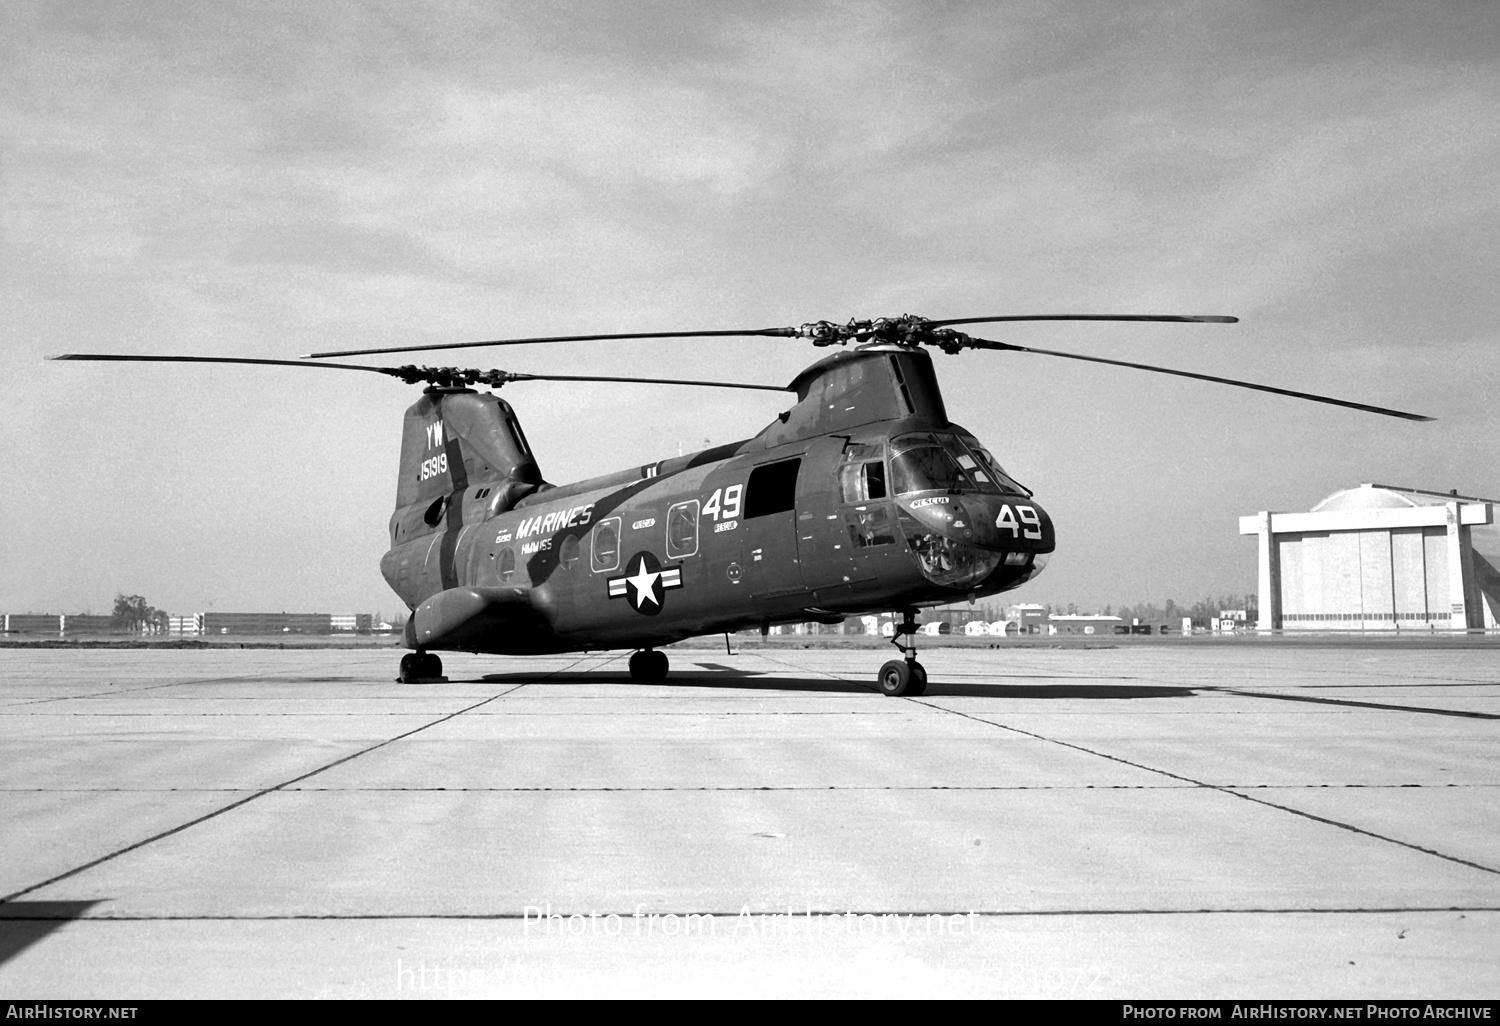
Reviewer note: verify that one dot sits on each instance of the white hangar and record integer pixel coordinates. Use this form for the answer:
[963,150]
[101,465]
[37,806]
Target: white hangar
[1376,557]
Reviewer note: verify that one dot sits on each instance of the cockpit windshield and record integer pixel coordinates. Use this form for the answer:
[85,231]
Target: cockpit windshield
[936,461]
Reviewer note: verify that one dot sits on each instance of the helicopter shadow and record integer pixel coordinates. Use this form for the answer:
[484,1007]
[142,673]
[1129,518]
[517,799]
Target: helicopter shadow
[725,679]
[713,676]
[24,923]
[1082,692]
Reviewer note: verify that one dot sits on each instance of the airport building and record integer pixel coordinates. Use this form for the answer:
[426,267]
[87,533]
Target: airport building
[76,624]
[1376,557]
[1086,623]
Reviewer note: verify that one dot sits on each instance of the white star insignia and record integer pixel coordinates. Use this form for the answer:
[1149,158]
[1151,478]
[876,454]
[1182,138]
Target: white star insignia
[644,582]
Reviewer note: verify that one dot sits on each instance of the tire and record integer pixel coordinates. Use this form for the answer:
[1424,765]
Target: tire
[409,668]
[918,685]
[648,667]
[432,666]
[894,678]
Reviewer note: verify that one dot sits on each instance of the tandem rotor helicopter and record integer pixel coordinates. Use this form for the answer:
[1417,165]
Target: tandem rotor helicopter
[862,497]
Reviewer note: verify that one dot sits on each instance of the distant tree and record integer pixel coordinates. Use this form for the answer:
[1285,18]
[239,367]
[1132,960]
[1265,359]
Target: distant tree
[134,613]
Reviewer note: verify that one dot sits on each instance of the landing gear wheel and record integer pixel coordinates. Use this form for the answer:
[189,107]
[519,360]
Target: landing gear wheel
[904,676]
[419,666]
[648,667]
[896,678]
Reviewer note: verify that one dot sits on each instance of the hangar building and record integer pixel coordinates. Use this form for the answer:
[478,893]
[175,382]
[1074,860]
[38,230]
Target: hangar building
[1376,557]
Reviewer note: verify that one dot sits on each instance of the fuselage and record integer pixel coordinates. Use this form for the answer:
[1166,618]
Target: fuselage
[812,519]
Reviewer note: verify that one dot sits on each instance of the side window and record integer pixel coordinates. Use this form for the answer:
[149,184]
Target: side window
[852,482]
[871,527]
[682,530]
[772,488]
[862,481]
[568,555]
[507,564]
[862,474]
[607,545]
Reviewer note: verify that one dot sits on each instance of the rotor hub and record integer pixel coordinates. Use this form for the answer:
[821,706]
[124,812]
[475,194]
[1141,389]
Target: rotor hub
[909,330]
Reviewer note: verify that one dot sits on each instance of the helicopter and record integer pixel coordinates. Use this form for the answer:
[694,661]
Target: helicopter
[861,497]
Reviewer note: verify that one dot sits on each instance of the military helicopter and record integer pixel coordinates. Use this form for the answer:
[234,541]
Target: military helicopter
[862,497]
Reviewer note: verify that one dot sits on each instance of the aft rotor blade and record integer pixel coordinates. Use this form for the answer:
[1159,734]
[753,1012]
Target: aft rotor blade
[980,343]
[133,358]
[448,375]
[1171,318]
[774,332]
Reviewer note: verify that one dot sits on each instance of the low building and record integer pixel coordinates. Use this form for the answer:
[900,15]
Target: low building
[1082,623]
[267,623]
[1029,618]
[31,623]
[1376,557]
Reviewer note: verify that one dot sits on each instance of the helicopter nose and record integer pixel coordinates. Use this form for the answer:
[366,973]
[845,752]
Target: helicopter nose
[1014,524]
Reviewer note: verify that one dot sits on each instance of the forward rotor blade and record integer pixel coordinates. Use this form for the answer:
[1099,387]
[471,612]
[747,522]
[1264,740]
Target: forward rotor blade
[1173,318]
[412,374]
[775,332]
[980,343]
[752,332]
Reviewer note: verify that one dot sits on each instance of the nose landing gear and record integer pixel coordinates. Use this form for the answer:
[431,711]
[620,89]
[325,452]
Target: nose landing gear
[420,666]
[905,676]
[648,666]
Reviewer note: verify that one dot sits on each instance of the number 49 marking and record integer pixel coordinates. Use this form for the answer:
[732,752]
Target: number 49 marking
[729,508]
[1007,521]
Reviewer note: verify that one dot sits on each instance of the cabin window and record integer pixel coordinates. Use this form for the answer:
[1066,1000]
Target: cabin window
[568,554]
[871,527]
[607,545]
[507,565]
[772,488]
[682,530]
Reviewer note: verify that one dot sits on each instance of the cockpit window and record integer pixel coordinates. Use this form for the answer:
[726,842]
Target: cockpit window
[923,468]
[862,474]
[932,461]
[992,466]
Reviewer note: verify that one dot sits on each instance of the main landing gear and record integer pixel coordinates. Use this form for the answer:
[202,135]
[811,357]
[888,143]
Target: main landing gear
[904,676]
[418,666]
[648,666]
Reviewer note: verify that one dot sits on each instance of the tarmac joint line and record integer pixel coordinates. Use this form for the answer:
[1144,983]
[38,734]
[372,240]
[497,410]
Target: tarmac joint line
[252,797]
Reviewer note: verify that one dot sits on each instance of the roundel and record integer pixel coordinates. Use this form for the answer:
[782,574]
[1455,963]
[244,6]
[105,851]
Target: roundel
[645,583]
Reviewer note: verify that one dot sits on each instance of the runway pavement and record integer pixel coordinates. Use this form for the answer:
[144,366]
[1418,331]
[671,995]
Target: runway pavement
[1188,820]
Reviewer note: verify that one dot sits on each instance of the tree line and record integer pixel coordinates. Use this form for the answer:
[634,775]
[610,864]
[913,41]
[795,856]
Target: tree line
[135,614]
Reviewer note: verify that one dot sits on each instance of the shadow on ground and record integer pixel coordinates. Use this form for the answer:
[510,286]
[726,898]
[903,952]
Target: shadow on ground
[714,676]
[23,923]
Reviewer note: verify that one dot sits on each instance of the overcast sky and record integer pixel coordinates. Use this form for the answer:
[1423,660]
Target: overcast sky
[269,179]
